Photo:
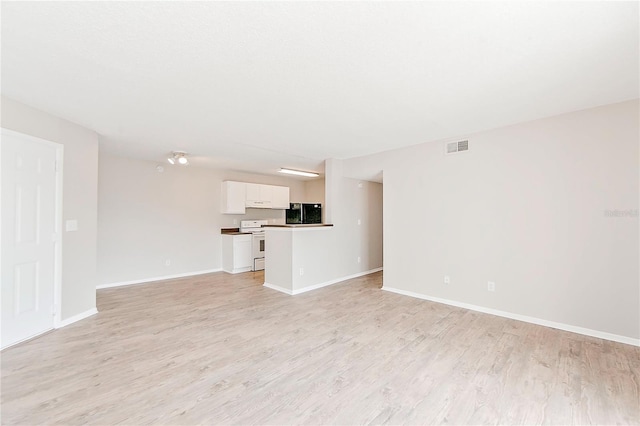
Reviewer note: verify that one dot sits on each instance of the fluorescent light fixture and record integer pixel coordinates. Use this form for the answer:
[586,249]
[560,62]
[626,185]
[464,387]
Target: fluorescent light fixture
[298,173]
[179,157]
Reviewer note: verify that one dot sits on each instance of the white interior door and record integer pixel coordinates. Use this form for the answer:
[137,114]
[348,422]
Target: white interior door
[28,237]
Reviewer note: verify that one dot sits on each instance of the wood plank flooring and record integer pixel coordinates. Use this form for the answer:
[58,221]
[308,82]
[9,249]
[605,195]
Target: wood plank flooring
[222,349]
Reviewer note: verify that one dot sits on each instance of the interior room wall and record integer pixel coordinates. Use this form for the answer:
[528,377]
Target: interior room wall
[154,225]
[314,191]
[80,195]
[354,207]
[548,210]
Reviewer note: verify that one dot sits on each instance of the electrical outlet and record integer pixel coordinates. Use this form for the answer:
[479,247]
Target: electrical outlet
[447,279]
[359,259]
[301,271]
[491,286]
[71,225]
[167,262]
[235,221]
[359,222]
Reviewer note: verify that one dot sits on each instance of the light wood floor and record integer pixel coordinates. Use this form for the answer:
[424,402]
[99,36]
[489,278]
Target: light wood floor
[222,349]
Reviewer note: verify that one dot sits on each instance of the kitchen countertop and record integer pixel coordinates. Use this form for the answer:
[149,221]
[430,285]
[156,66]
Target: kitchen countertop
[233,231]
[306,225]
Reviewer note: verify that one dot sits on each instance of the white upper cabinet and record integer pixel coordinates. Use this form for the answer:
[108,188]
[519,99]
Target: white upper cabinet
[237,196]
[280,197]
[233,197]
[258,196]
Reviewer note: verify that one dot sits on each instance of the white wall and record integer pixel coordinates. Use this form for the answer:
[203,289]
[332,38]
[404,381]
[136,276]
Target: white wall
[314,191]
[347,202]
[524,208]
[146,217]
[80,194]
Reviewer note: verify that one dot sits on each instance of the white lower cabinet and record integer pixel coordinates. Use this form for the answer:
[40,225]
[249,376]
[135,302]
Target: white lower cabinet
[236,253]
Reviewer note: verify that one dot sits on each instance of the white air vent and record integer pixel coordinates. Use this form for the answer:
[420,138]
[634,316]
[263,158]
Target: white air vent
[455,147]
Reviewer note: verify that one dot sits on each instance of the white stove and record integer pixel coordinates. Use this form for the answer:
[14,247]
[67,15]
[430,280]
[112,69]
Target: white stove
[253,226]
[257,244]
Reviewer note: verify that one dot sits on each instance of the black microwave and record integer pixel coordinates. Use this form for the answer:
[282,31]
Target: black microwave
[303,213]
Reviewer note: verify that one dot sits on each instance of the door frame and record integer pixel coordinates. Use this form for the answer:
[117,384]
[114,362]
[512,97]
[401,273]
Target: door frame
[57,261]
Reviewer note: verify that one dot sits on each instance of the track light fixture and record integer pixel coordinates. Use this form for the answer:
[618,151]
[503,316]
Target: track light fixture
[179,157]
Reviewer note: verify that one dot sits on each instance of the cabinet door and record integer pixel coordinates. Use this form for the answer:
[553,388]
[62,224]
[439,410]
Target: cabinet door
[253,192]
[258,196]
[233,197]
[253,195]
[280,197]
[266,192]
[242,257]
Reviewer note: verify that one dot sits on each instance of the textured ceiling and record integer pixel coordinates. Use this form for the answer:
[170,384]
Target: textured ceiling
[256,86]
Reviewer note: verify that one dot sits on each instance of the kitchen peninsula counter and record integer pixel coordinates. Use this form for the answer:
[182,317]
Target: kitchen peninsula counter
[299,258]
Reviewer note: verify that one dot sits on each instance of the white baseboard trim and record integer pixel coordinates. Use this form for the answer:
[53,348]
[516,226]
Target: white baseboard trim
[278,288]
[320,285]
[57,325]
[524,318]
[76,318]
[237,271]
[27,338]
[337,280]
[149,280]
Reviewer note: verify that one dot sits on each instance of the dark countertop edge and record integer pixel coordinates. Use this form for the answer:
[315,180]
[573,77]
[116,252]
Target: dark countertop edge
[229,230]
[233,231]
[307,225]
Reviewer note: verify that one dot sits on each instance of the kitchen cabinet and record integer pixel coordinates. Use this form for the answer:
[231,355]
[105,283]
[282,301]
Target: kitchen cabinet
[258,196]
[233,197]
[236,253]
[238,196]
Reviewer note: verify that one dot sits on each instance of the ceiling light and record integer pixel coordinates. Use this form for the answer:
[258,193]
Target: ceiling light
[178,156]
[299,173]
